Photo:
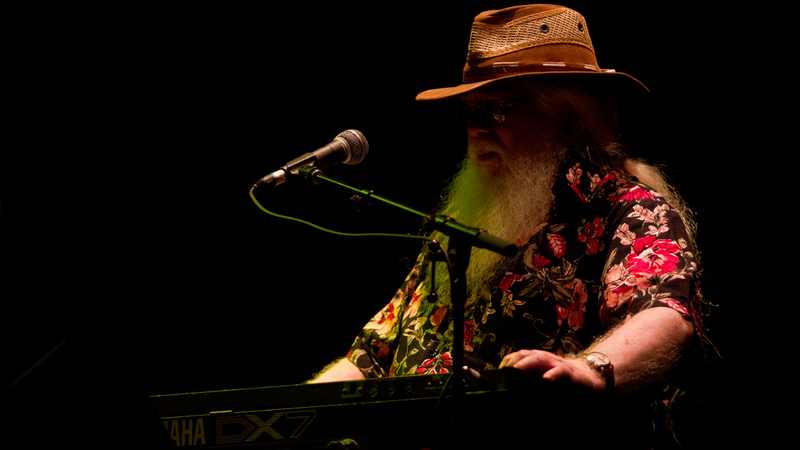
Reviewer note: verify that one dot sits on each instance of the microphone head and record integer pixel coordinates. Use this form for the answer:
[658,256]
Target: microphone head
[357,143]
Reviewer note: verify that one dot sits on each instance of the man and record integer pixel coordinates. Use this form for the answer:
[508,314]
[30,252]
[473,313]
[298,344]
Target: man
[601,294]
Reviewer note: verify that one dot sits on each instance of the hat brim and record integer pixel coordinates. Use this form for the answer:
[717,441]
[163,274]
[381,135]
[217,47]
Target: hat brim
[619,83]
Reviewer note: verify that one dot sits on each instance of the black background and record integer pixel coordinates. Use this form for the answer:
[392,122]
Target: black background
[133,132]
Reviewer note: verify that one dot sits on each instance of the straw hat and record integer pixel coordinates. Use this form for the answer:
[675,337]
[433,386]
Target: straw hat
[532,41]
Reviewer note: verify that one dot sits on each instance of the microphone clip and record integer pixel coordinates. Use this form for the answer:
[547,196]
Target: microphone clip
[311,173]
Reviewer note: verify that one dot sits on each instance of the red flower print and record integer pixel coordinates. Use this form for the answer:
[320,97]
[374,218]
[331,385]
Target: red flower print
[578,191]
[557,244]
[539,262]
[597,182]
[638,193]
[425,364]
[536,261]
[435,365]
[621,285]
[469,330]
[674,305]
[379,348]
[649,255]
[658,217]
[574,178]
[388,315]
[574,174]
[508,280]
[575,312]
[437,317]
[594,181]
[384,321]
[630,193]
[625,235]
[590,234]
[413,304]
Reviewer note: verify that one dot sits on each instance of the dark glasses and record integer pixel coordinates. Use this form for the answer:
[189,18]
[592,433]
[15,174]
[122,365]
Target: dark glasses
[484,112]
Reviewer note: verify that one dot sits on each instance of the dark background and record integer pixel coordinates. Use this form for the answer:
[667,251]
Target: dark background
[133,132]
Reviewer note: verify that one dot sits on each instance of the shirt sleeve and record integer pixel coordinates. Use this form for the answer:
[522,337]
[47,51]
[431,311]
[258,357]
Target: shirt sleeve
[651,261]
[374,347]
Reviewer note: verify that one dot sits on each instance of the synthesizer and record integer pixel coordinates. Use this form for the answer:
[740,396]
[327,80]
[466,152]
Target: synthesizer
[413,412]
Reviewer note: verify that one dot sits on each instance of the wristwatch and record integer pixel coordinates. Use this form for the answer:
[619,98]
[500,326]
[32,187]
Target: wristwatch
[602,364]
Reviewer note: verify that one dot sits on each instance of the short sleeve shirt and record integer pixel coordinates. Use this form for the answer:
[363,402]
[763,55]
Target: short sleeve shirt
[611,248]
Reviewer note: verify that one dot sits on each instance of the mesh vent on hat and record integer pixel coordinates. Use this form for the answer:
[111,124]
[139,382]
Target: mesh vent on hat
[558,26]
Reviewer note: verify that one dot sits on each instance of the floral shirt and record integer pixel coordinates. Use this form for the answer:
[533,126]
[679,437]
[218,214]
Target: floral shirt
[612,247]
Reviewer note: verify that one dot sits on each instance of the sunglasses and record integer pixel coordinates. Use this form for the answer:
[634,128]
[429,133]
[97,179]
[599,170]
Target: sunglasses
[484,112]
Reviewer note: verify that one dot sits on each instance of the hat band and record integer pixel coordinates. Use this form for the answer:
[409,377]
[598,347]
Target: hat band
[542,59]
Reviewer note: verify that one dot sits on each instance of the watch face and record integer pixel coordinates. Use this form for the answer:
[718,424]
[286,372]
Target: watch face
[598,359]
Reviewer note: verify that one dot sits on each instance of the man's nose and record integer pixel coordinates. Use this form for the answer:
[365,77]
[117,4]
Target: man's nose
[477,127]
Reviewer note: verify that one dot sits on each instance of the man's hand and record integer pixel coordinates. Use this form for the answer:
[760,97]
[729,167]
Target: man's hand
[643,350]
[554,368]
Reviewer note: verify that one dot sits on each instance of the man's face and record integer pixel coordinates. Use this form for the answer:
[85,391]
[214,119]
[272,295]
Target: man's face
[529,128]
[505,186]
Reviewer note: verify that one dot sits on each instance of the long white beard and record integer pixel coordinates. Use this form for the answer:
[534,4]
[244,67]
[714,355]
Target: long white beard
[510,204]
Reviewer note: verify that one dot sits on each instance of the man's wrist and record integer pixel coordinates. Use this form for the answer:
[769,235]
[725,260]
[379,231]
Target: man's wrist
[601,364]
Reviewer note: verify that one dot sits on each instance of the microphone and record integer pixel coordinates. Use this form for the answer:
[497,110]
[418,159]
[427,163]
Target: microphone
[348,147]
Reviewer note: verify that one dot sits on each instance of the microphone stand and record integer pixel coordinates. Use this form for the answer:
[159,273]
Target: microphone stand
[462,239]
[475,237]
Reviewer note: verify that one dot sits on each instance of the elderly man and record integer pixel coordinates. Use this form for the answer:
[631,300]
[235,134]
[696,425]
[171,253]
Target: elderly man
[601,293]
